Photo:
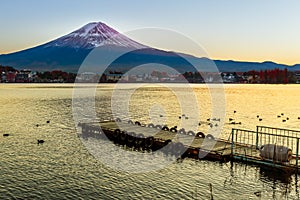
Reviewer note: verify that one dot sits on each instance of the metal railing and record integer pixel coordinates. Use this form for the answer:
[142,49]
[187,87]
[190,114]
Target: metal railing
[243,143]
[267,144]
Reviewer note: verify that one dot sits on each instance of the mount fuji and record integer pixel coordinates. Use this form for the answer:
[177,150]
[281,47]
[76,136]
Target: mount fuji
[94,35]
[68,52]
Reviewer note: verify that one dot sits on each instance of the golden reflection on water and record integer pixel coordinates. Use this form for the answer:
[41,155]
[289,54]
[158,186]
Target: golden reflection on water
[251,103]
[63,168]
[145,101]
[247,105]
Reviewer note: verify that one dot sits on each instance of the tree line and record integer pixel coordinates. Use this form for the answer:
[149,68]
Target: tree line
[268,76]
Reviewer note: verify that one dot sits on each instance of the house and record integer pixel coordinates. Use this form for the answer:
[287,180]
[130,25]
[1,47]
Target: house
[87,77]
[229,77]
[113,77]
[25,76]
[11,77]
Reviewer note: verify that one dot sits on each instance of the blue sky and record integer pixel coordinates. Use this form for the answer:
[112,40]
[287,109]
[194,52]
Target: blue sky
[253,30]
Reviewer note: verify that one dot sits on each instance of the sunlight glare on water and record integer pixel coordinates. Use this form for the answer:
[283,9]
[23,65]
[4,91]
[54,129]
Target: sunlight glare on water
[62,168]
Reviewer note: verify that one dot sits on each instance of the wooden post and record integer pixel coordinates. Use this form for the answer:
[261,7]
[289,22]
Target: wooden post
[211,192]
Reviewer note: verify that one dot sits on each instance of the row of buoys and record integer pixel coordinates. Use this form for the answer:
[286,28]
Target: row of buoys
[174,129]
[131,139]
[140,142]
[183,131]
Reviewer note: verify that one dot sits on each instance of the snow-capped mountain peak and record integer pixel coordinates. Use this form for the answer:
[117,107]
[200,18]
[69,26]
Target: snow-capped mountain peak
[93,35]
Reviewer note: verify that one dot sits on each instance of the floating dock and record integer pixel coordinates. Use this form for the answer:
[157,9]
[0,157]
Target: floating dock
[267,146]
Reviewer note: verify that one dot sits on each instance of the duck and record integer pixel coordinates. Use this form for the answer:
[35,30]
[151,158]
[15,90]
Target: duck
[40,141]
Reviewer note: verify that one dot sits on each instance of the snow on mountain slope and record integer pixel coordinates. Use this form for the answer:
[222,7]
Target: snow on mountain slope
[93,35]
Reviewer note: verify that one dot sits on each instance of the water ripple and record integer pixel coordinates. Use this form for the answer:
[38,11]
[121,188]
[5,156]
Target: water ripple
[62,168]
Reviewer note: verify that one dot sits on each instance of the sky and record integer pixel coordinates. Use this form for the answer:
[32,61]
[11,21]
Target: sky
[253,30]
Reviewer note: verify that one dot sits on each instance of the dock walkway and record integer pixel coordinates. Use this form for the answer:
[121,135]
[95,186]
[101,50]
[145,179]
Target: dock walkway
[242,146]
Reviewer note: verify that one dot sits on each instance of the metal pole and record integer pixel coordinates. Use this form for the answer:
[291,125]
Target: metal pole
[256,137]
[232,141]
[297,152]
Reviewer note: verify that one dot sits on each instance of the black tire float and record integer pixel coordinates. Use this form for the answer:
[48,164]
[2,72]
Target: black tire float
[118,119]
[149,142]
[191,133]
[167,142]
[139,140]
[182,131]
[158,127]
[140,136]
[131,136]
[137,123]
[151,125]
[210,137]
[122,138]
[130,122]
[165,128]
[174,130]
[116,135]
[200,135]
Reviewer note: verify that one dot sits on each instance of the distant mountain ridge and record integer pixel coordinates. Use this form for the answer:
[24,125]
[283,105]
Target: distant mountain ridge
[241,66]
[69,51]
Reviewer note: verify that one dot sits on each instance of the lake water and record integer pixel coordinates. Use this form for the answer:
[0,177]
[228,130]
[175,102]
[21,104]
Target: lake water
[63,168]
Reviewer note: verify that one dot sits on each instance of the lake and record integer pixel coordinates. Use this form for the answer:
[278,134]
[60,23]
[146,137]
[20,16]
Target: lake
[63,168]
